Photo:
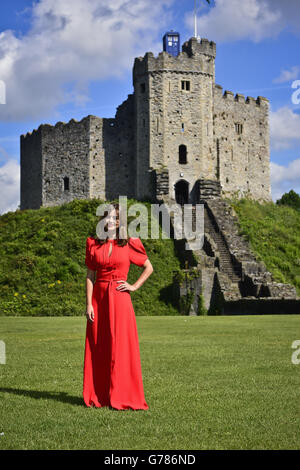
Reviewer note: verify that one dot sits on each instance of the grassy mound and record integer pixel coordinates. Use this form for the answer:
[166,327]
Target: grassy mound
[42,269]
[42,252]
[274,235]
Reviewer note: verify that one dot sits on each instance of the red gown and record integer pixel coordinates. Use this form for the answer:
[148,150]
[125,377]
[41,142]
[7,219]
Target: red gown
[112,374]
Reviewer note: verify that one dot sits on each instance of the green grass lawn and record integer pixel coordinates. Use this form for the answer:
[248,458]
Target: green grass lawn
[274,235]
[210,383]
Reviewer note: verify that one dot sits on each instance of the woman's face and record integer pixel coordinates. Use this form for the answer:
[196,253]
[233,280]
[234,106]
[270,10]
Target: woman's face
[112,220]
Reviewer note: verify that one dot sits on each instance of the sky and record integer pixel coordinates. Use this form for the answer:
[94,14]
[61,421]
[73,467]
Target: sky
[64,59]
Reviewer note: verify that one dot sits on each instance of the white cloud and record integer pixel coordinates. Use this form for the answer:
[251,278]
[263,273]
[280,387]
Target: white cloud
[283,179]
[231,20]
[284,128]
[288,75]
[9,186]
[74,41]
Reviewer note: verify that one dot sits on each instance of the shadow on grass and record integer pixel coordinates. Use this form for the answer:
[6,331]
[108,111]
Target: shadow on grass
[57,396]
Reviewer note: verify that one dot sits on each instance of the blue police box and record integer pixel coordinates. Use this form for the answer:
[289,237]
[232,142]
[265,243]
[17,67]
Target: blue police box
[171,42]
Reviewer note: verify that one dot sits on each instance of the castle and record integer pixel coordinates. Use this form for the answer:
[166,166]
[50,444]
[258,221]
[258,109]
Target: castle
[178,135]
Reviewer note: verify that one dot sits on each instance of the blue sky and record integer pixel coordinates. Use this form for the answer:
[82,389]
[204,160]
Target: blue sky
[63,59]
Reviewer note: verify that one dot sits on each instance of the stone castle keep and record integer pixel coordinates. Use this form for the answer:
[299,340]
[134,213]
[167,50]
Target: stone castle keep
[177,136]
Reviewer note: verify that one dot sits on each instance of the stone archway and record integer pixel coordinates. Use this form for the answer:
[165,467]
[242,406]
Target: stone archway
[182,192]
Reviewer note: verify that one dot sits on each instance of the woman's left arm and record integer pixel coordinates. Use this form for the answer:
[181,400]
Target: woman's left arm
[148,270]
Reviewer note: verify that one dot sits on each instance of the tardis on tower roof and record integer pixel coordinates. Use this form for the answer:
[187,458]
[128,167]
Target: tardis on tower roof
[171,42]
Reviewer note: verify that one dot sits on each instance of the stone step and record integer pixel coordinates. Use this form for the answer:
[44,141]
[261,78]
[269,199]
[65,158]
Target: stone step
[232,273]
[229,269]
[233,278]
[226,265]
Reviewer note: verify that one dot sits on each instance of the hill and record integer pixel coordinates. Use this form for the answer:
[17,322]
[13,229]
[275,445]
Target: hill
[42,269]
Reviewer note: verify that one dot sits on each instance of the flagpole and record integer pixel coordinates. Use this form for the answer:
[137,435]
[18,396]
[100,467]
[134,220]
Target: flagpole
[195,20]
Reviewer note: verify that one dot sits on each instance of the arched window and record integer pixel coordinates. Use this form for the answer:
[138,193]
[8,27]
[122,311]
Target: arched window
[182,154]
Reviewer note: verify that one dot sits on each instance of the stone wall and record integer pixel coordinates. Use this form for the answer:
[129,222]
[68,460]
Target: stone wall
[65,153]
[31,170]
[119,151]
[96,155]
[243,160]
[161,184]
[97,158]
[142,138]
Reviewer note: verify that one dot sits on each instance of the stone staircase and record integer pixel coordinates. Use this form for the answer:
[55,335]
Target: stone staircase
[254,275]
[225,261]
[229,269]
[249,278]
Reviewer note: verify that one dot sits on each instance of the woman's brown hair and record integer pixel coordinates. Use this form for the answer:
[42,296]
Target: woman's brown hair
[121,241]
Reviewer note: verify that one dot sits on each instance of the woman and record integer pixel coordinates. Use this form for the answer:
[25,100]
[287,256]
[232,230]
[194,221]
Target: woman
[112,367]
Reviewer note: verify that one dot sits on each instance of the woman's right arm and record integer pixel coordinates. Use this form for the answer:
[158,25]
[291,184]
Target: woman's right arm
[90,279]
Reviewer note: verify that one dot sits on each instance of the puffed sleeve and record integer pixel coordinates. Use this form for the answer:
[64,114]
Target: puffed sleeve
[89,254]
[137,252]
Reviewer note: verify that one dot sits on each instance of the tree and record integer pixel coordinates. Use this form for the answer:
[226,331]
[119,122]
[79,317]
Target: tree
[290,199]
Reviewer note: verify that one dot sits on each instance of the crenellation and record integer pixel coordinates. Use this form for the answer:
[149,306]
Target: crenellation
[263,102]
[251,101]
[218,88]
[240,98]
[229,95]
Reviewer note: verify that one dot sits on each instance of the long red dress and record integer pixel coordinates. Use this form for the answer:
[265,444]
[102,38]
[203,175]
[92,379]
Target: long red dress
[112,374]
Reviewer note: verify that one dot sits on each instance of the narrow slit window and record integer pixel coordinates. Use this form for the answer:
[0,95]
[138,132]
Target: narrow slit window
[238,128]
[66,183]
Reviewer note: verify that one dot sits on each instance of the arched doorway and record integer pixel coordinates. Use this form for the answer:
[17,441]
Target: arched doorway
[182,192]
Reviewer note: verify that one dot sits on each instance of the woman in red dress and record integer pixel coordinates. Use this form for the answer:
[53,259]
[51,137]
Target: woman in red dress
[112,373]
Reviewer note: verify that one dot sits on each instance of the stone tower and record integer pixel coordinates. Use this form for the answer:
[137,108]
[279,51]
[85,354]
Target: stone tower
[189,132]
[178,136]
[174,116]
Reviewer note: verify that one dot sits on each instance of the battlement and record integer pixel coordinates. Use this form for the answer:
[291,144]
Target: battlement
[190,59]
[240,98]
[193,48]
[71,124]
